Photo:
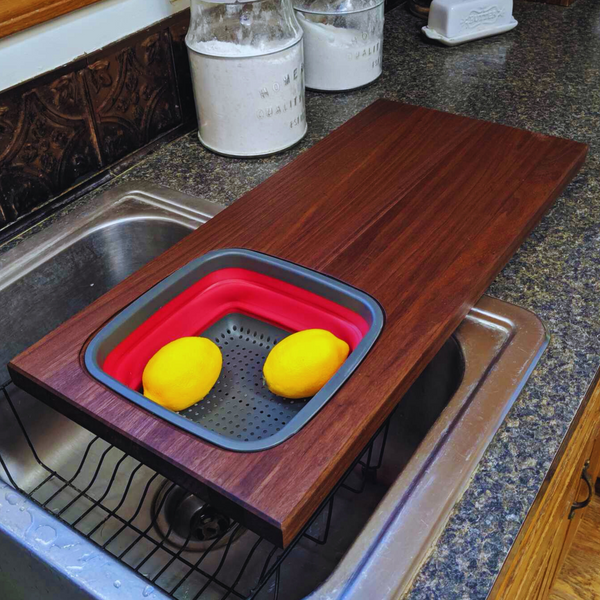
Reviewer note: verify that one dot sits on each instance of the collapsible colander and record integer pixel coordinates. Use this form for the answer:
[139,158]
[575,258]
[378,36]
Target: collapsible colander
[245,302]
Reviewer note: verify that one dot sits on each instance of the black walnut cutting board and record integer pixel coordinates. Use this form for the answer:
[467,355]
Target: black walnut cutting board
[417,207]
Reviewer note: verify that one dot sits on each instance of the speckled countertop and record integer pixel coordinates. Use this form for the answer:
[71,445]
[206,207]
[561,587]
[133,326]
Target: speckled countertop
[543,76]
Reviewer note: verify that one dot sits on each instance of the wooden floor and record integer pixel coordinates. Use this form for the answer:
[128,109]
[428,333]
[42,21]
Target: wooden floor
[579,578]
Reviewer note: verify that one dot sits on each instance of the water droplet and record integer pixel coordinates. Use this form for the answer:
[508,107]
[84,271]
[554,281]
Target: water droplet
[117,584]
[45,534]
[86,557]
[12,498]
[147,591]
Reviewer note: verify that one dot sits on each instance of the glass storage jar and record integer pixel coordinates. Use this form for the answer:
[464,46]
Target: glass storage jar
[247,64]
[343,42]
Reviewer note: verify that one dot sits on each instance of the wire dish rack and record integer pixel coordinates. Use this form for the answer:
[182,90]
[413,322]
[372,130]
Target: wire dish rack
[122,506]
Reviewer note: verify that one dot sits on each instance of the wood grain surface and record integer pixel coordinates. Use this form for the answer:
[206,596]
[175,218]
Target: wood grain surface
[579,578]
[417,207]
[16,15]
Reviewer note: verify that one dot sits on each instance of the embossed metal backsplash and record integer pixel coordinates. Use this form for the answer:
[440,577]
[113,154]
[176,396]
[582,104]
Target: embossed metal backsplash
[62,129]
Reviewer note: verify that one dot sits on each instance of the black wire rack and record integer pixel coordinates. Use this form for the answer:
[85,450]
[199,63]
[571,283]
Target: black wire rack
[127,528]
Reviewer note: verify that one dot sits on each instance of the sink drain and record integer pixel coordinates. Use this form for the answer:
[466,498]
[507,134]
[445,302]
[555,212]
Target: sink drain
[184,520]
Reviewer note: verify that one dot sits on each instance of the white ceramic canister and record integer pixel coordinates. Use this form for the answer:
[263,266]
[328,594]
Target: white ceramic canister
[247,64]
[343,42]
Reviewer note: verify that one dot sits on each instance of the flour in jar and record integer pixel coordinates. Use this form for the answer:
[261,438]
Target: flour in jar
[250,100]
[339,58]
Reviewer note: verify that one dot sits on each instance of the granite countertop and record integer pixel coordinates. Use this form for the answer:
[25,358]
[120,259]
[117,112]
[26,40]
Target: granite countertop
[543,76]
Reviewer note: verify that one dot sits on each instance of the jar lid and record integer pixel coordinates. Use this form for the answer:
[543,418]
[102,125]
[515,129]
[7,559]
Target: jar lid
[328,7]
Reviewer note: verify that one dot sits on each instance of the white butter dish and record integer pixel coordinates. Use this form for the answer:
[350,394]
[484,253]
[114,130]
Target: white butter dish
[453,22]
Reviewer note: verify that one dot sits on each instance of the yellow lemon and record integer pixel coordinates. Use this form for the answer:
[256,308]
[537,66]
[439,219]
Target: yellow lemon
[182,372]
[302,363]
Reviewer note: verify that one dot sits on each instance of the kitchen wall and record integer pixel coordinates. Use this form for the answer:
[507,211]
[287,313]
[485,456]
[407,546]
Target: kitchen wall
[44,47]
[77,126]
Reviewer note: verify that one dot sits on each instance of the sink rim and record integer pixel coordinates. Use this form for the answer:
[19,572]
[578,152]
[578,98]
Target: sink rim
[365,569]
[371,568]
[127,202]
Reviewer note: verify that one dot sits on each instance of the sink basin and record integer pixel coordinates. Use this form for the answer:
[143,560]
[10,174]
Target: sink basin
[81,519]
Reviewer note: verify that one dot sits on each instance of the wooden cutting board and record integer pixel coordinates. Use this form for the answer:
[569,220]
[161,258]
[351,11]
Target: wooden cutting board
[417,207]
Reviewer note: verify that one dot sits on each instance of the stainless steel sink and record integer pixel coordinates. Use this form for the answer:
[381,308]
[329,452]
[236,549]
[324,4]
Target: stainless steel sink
[81,519]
